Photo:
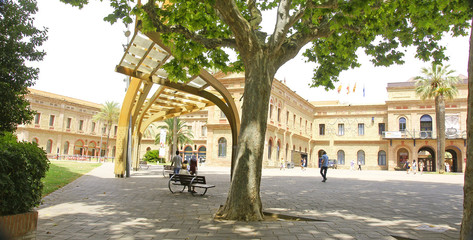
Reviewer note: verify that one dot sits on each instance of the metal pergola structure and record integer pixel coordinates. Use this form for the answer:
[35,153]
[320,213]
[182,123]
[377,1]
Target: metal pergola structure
[142,62]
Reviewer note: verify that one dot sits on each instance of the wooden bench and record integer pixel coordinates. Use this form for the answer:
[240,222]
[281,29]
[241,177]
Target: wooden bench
[190,181]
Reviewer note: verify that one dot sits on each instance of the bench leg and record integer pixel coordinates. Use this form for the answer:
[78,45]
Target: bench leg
[196,193]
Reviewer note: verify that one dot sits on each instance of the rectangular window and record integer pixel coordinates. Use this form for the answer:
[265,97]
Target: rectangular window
[93,127]
[81,125]
[104,129]
[270,111]
[115,130]
[51,120]
[341,129]
[361,129]
[204,131]
[294,121]
[37,117]
[68,123]
[287,117]
[381,128]
[189,128]
[279,114]
[321,129]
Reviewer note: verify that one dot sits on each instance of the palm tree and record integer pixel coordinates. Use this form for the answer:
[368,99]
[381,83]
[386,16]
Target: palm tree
[438,83]
[109,114]
[184,135]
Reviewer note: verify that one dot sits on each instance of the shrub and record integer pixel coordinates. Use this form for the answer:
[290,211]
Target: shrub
[22,165]
[153,156]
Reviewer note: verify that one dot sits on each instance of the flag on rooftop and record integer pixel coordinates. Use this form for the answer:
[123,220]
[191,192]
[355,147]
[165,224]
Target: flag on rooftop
[354,88]
[339,88]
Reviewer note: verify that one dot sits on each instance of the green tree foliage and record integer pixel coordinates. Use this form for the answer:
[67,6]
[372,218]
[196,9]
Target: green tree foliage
[199,31]
[439,84]
[19,41]
[184,135]
[153,156]
[22,166]
[108,114]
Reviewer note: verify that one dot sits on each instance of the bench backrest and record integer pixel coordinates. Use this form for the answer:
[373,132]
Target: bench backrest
[186,179]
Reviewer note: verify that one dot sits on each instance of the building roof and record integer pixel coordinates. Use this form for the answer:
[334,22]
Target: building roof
[64,98]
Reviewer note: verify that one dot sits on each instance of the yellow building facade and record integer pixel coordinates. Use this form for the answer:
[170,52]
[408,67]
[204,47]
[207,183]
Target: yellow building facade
[378,136]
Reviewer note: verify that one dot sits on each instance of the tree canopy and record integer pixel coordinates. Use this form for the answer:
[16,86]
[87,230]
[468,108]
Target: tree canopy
[200,31]
[19,42]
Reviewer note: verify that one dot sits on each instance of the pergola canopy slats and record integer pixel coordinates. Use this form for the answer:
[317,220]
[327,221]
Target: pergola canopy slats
[143,61]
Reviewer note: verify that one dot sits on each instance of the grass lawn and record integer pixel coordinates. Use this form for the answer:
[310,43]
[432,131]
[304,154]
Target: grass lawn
[63,172]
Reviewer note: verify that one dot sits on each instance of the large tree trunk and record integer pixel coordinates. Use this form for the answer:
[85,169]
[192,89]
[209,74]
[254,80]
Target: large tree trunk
[440,119]
[243,200]
[467,222]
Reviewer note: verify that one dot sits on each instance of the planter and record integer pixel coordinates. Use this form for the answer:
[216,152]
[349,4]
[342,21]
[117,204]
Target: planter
[20,226]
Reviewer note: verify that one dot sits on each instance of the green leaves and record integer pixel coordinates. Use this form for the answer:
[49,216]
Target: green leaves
[19,41]
[22,166]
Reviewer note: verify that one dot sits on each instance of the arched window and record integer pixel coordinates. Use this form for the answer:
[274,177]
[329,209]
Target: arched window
[187,153]
[361,157]
[202,152]
[341,157]
[35,140]
[270,146]
[148,149]
[49,146]
[425,126]
[66,148]
[402,124]
[382,158]
[222,147]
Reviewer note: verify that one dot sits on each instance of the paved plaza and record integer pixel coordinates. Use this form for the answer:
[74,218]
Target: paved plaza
[350,205]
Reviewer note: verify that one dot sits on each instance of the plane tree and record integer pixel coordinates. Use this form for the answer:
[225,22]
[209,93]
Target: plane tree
[203,33]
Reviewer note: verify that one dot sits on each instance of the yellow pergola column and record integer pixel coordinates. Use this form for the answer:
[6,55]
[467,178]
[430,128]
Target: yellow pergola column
[123,124]
[136,150]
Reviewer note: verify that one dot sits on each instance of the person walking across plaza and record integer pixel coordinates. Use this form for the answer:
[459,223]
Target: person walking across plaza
[359,165]
[177,162]
[352,165]
[414,166]
[324,167]
[421,166]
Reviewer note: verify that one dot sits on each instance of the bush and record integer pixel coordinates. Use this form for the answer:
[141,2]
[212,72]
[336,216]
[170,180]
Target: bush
[153,156]
[22,165]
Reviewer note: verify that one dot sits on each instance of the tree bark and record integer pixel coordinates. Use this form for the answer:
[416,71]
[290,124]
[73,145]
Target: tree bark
[467,221]
[440,119]
[243,200]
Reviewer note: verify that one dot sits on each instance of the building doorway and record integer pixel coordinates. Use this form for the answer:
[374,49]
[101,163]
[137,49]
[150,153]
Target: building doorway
[402,157]
[187,153]
[427,155]
[451,157]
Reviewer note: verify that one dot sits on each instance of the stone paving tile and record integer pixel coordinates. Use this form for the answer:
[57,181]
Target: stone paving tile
[351,205]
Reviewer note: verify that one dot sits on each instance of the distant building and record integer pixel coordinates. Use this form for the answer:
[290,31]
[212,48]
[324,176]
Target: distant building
[379,136]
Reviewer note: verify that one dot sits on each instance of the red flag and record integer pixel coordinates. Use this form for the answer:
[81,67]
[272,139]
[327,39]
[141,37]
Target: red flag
[348,89]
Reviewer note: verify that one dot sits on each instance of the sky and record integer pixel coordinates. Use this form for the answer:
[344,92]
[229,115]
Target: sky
[83,50]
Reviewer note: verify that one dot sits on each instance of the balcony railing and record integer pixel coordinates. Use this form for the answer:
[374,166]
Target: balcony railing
[450,133]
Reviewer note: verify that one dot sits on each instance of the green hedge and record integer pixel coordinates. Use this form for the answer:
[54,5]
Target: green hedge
[153,156]
[22,165]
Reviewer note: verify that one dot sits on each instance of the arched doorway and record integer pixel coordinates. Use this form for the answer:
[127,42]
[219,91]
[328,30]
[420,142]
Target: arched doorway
[402,157]
[187,153]
[202,154]
[427,155]
[78,147]
[452,156]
